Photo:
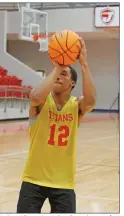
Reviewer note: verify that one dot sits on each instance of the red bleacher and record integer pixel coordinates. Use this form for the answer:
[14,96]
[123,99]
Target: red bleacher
[12,86]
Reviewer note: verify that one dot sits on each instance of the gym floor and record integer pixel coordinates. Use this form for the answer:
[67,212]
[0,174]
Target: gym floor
[97,174]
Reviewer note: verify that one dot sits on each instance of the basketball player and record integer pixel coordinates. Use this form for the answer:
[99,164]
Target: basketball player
[54,119]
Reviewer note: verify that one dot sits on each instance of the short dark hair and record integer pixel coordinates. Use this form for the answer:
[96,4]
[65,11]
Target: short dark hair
[73,74]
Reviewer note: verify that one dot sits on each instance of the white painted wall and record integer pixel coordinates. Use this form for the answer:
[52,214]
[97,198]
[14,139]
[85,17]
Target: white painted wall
[80,20]
[103,58]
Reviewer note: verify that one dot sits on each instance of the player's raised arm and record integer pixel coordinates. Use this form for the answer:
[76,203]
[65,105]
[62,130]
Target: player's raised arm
[86,103]
[38,95]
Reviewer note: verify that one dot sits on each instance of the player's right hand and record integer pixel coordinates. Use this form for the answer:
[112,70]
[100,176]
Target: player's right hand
[58,67]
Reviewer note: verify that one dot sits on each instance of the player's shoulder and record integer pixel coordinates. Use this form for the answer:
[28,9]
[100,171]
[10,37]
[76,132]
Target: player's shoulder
[78,99]
[74,102]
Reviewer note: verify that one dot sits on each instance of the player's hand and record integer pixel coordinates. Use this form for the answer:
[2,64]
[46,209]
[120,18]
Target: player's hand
[59,67]
[83,54]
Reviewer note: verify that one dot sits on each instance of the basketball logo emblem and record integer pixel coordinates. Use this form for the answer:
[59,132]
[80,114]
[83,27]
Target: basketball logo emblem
[107,16]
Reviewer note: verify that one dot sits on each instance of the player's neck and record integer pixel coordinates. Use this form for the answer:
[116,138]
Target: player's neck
[61,98]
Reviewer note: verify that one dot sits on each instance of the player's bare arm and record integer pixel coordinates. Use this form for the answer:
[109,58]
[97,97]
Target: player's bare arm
[39,94]
[88,100]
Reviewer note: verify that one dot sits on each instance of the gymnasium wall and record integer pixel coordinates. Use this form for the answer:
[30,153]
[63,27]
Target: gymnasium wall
[80,20]
[7,61]
[103,58]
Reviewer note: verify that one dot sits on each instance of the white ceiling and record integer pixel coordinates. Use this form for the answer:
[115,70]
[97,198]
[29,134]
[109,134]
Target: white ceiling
[55,5]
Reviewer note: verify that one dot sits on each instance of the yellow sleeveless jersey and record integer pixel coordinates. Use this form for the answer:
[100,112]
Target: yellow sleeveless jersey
[52,155]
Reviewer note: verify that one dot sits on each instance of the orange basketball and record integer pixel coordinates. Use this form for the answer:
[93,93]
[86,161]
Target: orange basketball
[64,47]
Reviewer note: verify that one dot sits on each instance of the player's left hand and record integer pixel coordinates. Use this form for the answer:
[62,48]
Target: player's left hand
[83,54]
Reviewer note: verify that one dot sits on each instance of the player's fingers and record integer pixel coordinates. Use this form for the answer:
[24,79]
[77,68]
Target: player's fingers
[79,46]
[84,49]
[82,41]
[61,67]
[83,45]
[55,64]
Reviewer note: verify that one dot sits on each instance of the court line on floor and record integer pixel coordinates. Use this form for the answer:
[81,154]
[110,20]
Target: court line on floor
[13,153]
[78,195]
[95,197]
[85,140]
[90,146]
[9,188]
[97,138]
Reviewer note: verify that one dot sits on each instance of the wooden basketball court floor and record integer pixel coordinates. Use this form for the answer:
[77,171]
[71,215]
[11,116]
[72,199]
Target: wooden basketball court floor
[97,177]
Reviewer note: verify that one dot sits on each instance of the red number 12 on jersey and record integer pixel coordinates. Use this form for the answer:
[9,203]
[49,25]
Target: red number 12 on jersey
[62,137]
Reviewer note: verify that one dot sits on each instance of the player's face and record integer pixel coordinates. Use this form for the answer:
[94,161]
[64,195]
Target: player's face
[64,81]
